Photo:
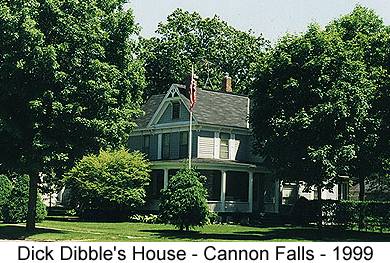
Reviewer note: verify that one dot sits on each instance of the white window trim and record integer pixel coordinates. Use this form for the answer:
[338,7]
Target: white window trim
[217,143]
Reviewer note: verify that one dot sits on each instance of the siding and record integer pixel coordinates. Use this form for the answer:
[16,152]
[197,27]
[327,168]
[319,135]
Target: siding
[135,143]
[206,144]
[167,115]
[195,135]
[153,147]
[242,147]
[174,145]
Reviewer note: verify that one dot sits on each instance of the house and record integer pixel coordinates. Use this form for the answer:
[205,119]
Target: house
[221,148]
[237,182]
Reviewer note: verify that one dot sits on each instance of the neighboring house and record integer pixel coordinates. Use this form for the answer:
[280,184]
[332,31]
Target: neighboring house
[236,180]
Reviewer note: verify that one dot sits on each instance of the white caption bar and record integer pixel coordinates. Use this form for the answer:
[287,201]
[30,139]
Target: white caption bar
[317,252]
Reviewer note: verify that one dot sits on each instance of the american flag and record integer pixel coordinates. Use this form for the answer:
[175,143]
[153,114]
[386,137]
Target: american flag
[192,90]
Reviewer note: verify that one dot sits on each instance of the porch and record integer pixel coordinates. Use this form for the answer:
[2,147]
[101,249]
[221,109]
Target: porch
[232,187]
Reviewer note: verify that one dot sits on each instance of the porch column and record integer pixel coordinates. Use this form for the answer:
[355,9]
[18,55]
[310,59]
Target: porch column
[165,178]
[223,189]
[250,191]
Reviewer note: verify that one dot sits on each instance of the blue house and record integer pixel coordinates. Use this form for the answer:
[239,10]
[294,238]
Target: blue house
[221,148]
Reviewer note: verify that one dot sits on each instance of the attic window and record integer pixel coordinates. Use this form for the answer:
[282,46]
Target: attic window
[175,110]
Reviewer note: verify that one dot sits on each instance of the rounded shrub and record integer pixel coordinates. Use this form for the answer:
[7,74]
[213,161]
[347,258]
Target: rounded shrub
[15,210]
[5,191]
[184,202]
[108,185]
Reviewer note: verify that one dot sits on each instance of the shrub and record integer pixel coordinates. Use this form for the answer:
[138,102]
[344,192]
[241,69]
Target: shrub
[183,203]
[108,185]
[346,214]
[15,210]
[148,219]
[5,191]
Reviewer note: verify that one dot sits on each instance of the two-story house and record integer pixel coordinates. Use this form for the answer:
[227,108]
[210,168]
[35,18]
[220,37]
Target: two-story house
[221,151]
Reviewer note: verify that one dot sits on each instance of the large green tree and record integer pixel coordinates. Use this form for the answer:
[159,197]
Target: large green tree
[312,110]
[70,83]
[366,36]
[210,44]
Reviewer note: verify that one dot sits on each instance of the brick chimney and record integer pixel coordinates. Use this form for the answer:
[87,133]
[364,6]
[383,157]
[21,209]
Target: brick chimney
[227,84]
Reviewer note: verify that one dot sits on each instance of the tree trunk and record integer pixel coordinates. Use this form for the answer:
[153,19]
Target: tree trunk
[319,190]
[362,188]
[362,197]
[32,202]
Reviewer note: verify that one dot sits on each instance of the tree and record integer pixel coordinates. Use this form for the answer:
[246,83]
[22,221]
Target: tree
[366,36]
[112,182]
[311,101]
[184,203]
[70,83]
[210,44]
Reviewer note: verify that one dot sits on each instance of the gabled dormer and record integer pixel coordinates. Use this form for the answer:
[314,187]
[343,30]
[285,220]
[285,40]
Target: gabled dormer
[163,110]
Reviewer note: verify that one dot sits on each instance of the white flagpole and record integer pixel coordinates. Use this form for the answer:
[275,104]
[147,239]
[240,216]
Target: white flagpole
[190,142]
[190,133]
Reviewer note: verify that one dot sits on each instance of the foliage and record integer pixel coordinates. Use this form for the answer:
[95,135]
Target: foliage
[147,219]
[346,214]
[366,36]
[15,209]
[70,80]
[313,113]
[210,44]
[184,202]
[5,191]
[111,183]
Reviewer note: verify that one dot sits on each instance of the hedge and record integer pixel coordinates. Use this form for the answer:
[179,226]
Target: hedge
[346,214]
[15,209]
[5,191]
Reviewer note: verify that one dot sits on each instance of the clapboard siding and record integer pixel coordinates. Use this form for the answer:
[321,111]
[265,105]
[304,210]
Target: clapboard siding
[242,147]
[153,147]
[135,143]
[167,115]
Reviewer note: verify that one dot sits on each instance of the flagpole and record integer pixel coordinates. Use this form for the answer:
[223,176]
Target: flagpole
[190,133]
[190,142]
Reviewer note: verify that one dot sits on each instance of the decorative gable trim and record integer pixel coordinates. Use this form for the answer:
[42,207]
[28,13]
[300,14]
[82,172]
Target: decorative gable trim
[173,94]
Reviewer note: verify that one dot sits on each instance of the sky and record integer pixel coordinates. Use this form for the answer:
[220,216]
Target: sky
[271,18]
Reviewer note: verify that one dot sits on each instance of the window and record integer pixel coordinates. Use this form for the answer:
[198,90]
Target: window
[237,186]
[166,137]
[212,184]
[224,146]
[175,110]
[146,144]
[183,150]
[156,183]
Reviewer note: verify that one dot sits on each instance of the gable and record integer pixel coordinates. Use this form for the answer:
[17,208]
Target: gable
[168,116]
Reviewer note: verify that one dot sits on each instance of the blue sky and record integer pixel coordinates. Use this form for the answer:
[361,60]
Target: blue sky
[272,18]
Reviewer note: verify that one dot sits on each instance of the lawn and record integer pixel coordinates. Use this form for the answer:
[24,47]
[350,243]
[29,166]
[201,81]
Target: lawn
[52,230]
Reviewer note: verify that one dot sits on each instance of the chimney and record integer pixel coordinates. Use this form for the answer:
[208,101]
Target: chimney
[227,84]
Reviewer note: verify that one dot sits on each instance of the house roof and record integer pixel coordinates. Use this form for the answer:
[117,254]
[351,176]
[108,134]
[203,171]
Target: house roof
[220,108]
[212,107]
[149,109]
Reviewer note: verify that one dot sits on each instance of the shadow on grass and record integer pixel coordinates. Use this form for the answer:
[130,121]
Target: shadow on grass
[16,232]
[298,234]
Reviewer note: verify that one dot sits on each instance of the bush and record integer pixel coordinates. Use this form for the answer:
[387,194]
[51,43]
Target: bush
[369,215]
[346,214]
[15,210]
[184,202]
[108,185]
[147,219]
[5,191]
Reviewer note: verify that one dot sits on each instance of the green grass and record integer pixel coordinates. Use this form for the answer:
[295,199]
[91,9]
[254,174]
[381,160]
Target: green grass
[52,230]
